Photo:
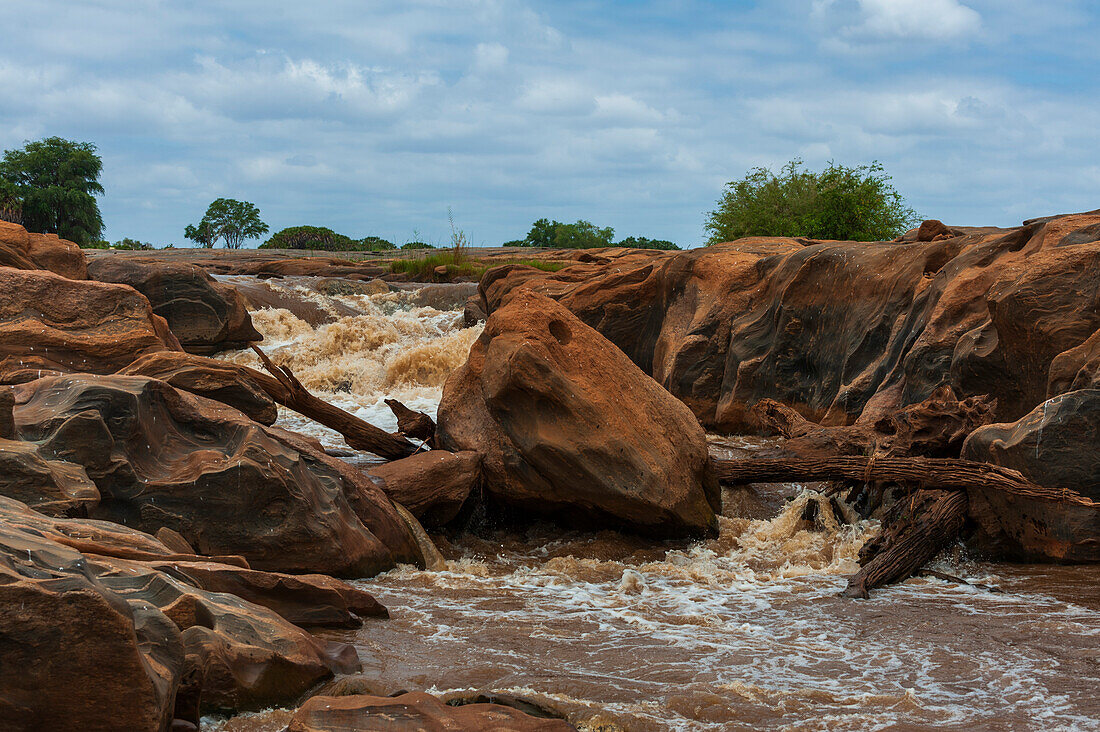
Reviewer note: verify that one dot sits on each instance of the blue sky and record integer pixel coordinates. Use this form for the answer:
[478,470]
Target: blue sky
[375,117]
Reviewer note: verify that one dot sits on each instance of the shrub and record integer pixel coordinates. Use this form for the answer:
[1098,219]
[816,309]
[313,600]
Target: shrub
[416,245]
[857,204]
[641,242]
[307,237]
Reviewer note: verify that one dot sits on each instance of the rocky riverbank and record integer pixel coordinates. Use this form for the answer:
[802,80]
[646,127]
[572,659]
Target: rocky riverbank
[163,515]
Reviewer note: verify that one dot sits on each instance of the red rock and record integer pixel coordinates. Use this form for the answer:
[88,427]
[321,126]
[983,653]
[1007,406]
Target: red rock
[570,428]
[414,711]
[25,250]
[205,315]
[51,324]
[433,485]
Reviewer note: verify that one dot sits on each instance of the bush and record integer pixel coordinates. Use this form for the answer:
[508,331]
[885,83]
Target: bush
[581,235]
[416,245]
[857,204]
[307,237]
[375,244]
[641,242]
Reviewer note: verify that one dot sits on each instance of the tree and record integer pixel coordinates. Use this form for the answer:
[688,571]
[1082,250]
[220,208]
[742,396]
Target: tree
[856,204]
[57,181]
[230,220]
[11,202]
[556,235]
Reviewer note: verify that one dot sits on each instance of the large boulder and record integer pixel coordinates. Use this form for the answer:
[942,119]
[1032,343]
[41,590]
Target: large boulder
[570,428]
[163,458]
[205,315]
[414,711]
[52,324]
[221,381]
[433,485]
[22,249]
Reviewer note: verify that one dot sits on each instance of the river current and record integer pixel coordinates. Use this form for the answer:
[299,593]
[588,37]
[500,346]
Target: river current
[742,632]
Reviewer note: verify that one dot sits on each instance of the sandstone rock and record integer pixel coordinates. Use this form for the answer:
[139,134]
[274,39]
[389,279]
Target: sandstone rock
[51,324]
[473,313]
[26,250]
[930,229]
[228,485]
[335,286]
[569,427]
[221,381]
[414,711]
[53,487]
[206,316]
[433,485]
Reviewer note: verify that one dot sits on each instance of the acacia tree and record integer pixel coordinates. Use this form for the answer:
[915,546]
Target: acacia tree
[856,204]
[230,220]
[56,182]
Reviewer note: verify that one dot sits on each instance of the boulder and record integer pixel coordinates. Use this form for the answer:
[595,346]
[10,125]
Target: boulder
[51,486]
[414,711]
[205,315]
[570,428]
[221,381]
[22,249]
[160,457]
[51,324]
[433,485]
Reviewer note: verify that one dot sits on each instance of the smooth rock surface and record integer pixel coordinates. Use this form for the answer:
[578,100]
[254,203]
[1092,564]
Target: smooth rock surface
[433,485]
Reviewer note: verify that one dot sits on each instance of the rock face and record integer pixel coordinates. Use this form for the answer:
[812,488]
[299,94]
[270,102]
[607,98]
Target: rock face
[846,331]
[569,427]
[94,641]
[51,324]
[413,711]
[24,250]
[221,381]
[163,458]
[433,485]
[205,315]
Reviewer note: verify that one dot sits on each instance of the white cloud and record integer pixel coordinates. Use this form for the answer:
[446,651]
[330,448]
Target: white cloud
[925,19]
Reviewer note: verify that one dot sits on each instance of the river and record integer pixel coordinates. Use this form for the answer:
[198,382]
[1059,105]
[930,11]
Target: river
[743,632]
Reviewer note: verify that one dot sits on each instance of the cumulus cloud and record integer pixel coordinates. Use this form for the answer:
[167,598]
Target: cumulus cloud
[917,18]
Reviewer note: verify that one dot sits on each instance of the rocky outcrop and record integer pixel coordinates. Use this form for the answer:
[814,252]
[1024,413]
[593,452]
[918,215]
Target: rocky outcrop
[173,650]
[51,324]
[845,331]
[433,485]
[570,428]
[163,458]
[221,381]
[414,711]
[205,315]
[25,250]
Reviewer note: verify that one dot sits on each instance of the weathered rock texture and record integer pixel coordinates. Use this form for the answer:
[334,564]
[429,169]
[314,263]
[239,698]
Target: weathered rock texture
[25,250]
[94,641]
[52,324]
[569,427]
[205,315]
[845,331]
[433,485]
[414,711]
[163,458]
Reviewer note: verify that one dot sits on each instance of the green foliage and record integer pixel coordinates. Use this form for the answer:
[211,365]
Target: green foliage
[127,243]
[416,245]
[375,244]
[56,182]
[11,202]
[230,220]
[641,242]
[307,237]
[857,204]
[556,235]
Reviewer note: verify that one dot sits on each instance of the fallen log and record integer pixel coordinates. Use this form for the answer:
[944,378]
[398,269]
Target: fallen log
[413,424]
[919,527]
[942,473]
[285,389]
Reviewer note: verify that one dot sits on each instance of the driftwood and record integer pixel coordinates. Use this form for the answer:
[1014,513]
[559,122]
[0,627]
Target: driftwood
[285,389]
[413,424]
[922,525]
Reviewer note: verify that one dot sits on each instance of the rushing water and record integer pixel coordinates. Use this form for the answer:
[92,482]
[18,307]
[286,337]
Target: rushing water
[742,632]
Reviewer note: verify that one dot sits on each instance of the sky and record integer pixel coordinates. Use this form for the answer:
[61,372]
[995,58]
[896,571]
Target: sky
[375,118]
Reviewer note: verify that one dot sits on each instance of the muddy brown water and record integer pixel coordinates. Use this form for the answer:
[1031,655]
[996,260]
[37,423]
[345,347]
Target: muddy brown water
[742,632]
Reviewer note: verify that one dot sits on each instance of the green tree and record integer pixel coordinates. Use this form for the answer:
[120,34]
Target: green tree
[204,234]
[11,202]
[857,204]
[57,181]
[641,242]
[230,220]
[556,235]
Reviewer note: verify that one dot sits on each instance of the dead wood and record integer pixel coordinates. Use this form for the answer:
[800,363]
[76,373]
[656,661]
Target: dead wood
[285,389]
[413,424]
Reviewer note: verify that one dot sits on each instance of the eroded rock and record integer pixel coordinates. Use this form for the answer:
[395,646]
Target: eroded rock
[433,485]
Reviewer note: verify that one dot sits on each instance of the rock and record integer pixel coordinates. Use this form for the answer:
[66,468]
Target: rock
[332,286]
[221,381]
[25,250]
[570,428]
[51,324]
[1054,445]
[433,485]
[930,229]
[473,312]
[413,711]
[161,457]
[206,316]
[51,486]
[302,599]
[173,649]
